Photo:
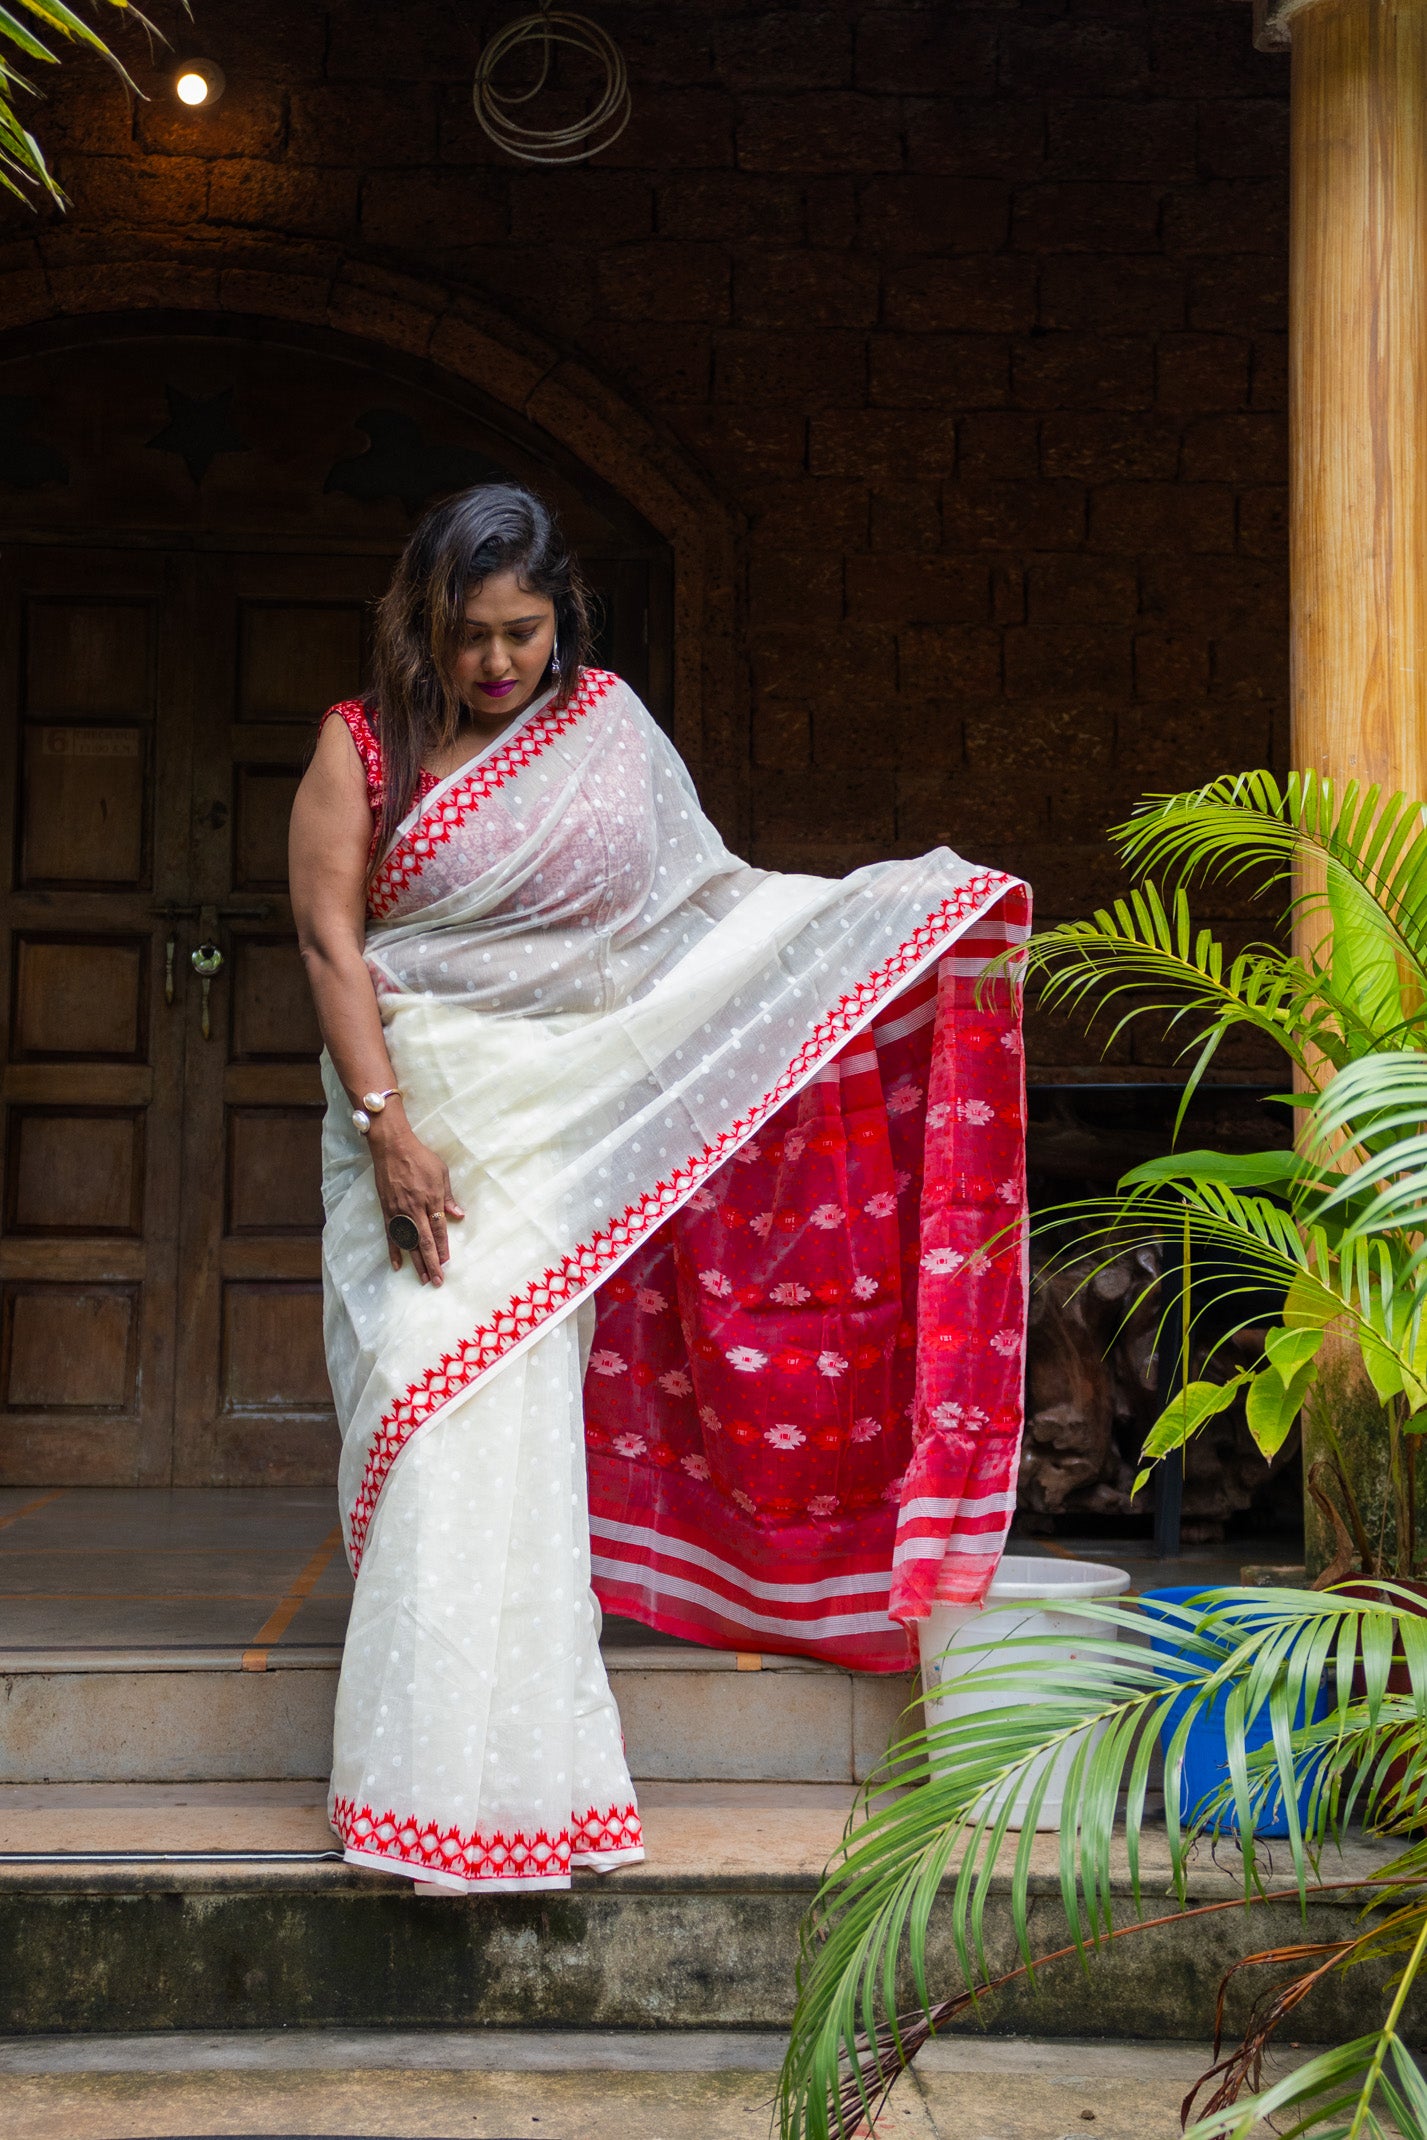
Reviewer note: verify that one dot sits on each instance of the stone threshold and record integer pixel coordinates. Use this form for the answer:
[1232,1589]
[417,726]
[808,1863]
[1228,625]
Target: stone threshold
[113,1837]
[704,1934]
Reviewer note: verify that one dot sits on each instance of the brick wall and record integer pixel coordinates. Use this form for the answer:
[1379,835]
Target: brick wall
[972,313]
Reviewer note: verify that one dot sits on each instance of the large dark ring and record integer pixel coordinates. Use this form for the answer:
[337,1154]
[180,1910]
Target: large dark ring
[403,1232]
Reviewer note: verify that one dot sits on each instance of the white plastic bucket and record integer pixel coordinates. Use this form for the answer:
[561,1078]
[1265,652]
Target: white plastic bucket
[955,1638]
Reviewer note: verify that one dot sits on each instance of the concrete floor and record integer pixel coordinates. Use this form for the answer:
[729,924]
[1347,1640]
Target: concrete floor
[262,1569]
[200,1567]
[497,2086]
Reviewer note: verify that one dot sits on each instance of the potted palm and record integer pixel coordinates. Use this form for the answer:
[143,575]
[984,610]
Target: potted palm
[1335,1232]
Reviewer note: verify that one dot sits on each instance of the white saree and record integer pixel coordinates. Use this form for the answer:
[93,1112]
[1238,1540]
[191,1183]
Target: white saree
[590,1005]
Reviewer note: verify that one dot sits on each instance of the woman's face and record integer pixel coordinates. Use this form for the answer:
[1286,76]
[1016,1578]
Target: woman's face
[505,649]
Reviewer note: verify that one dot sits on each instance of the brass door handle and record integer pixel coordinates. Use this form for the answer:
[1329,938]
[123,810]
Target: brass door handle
[206,961]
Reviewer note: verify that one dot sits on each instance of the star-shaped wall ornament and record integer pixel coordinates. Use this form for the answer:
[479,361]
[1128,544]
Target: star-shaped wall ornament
[401,462]
[200,427]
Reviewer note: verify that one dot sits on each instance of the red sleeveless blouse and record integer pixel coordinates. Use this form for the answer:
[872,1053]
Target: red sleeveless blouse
[353,715]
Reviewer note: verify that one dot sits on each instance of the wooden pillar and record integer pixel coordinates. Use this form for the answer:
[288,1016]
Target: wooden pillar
[1358,477]
[1358,393]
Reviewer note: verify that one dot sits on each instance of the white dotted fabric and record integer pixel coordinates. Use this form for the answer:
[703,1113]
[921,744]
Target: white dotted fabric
[473,1704]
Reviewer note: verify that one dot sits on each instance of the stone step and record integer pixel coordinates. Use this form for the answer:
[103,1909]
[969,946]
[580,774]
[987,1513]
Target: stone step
[601,2084]
[703,1935]
[176,1715]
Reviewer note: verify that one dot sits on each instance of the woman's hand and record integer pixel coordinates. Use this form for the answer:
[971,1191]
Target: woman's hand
[413,1179]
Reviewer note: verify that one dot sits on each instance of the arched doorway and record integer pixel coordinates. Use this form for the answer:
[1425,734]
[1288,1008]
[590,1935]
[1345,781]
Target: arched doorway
[194,515]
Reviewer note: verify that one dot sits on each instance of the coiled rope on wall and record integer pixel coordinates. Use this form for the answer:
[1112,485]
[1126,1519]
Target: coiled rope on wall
[497,110]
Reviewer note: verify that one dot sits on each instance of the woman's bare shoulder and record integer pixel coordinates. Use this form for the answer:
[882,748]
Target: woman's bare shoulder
[336,756]
[335,789]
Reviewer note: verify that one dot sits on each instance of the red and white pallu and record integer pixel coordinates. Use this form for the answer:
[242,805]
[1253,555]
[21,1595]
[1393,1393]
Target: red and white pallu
[742,1154]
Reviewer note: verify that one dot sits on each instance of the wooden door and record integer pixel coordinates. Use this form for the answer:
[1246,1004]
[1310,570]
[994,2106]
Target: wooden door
[94,785]
[278,639]
[160,1284]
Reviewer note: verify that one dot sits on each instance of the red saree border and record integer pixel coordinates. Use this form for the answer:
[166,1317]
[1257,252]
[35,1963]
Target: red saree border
[487,1857]
[408,855]
[561,1284]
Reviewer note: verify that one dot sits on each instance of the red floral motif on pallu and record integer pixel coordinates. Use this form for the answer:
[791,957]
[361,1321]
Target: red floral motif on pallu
[783,1374]
[566,1280]
[409,856]
[425,1846]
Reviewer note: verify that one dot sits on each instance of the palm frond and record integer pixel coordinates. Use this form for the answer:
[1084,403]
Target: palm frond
[1366,1109]
[933,1852]
[1372,850]
[1243,1246]
[1148,954]
[22,160]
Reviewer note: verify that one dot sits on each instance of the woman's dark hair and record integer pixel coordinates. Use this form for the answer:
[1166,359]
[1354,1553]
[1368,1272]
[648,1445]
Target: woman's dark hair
[420,621]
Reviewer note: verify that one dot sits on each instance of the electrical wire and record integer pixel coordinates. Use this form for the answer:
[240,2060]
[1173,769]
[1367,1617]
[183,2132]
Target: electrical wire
[585,137]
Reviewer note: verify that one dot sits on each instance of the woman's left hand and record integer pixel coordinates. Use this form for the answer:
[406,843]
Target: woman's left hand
[413,1182]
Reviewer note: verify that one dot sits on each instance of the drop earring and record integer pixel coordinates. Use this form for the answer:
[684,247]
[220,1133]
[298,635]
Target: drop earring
[555,657]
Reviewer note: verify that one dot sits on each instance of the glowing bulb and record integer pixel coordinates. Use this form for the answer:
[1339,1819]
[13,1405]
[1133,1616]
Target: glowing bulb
[198,82]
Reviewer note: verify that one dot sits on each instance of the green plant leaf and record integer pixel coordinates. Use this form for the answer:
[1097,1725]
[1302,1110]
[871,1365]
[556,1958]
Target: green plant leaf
[1307,1305]
[1240,1170]
[12,28]
[1364,956]
[1248,827]
[1271,1407]
[1384,1369]
[1184,1415]
[1291,1350]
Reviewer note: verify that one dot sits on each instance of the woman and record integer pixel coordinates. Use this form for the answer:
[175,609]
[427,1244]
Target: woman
[555,1008]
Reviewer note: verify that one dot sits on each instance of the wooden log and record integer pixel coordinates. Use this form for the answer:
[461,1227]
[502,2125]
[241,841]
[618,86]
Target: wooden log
[1358,476]
[1358,389]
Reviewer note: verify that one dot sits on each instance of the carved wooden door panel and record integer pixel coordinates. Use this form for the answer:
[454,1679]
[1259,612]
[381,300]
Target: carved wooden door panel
[160,1280]
[278,639]
[94,785]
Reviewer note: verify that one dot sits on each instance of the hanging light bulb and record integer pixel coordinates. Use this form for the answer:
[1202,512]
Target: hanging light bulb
[198,82]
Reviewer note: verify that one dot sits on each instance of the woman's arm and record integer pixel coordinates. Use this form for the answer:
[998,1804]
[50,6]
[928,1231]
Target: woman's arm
[327,857]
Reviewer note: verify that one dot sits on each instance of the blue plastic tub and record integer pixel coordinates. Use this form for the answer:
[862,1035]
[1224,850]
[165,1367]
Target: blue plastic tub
[1205,1767]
